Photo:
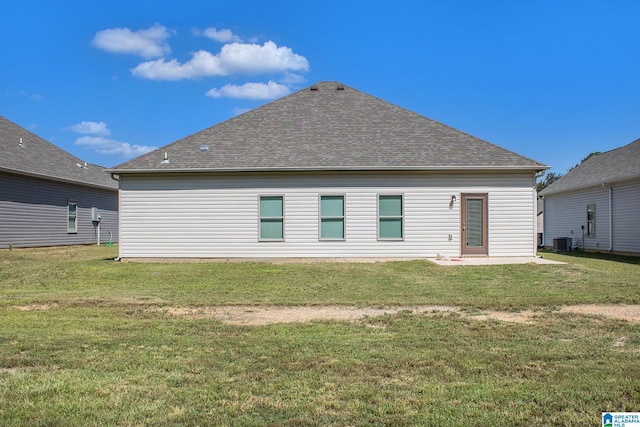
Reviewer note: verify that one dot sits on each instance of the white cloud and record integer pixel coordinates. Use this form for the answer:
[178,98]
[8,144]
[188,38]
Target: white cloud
[222,36]
[271,90]
[112,147]
[201,64]
[148,43]
[234,58]
[292,79]
[91,128]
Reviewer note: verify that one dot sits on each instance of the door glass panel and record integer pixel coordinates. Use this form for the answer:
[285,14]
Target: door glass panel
[474,222]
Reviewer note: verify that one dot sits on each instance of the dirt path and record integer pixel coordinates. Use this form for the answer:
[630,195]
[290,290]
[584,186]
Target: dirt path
[264,315]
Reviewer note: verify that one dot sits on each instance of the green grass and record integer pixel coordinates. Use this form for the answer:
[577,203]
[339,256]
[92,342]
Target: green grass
[97,356]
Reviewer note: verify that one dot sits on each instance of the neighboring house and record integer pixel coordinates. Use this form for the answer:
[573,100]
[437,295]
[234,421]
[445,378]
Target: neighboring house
[47,195]
[600,200]
[328,171]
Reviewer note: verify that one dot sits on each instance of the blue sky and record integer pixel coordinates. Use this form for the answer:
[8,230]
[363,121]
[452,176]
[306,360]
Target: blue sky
[108,80]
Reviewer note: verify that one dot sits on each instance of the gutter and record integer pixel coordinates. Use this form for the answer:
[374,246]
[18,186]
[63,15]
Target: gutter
[604,185]
[57,179]
[338,169]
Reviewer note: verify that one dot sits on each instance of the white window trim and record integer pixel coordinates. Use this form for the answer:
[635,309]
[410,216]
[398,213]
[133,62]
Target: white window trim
[260,218]
[75,227]
[343,218]
[390,239]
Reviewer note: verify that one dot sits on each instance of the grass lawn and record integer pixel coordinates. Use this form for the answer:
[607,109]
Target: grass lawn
[80,345]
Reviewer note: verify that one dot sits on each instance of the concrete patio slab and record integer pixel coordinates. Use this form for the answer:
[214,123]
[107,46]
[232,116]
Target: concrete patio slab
[492,261]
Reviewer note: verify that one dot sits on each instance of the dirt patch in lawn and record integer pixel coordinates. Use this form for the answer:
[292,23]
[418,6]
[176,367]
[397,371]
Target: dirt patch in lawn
[32,307]
[264,315]
[630,313]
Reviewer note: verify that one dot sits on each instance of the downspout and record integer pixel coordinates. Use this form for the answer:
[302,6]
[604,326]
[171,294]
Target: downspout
[116,177]
[539,174]
[604,185]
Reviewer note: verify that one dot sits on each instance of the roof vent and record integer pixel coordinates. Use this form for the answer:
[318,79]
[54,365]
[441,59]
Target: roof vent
[313,88]
[340,87]
[166,160]
[21,144]
[204,148]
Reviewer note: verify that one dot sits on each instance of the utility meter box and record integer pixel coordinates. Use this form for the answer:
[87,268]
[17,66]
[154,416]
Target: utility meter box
[95,217]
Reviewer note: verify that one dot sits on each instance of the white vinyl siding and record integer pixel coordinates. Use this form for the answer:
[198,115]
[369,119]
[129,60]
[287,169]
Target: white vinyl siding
[565,215]
[626,217]
[208,215]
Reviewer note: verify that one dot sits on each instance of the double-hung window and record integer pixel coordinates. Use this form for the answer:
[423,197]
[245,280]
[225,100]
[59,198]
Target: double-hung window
[72,217]
[271,218]
[331,217]
[390,217]
[591,220]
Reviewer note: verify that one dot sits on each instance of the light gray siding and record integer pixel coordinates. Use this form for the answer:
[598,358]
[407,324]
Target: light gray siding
[626,217]
[33,212]
[216,216]
[565,214]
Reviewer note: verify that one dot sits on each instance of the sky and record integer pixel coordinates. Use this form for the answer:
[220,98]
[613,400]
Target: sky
[110,80]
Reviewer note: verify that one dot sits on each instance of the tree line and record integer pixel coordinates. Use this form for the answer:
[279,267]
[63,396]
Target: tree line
[551,177]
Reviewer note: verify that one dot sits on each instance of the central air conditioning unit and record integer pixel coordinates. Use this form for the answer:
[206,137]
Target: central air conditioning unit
[562,244]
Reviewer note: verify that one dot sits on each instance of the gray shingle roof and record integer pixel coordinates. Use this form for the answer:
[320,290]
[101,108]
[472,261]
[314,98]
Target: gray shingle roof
[329,126]
[39,158]
[612,166]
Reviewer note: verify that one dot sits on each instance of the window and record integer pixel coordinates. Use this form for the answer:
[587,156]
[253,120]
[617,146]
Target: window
[390,217]
[271,218]
[72,217]
[331,217]
[591,220]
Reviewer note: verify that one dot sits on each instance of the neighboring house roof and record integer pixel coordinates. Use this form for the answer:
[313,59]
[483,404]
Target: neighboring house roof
[24,153]
[612,166]
[329,126]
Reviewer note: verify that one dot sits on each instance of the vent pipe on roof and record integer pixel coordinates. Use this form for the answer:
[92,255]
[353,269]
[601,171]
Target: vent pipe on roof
[166,160]
[21,144]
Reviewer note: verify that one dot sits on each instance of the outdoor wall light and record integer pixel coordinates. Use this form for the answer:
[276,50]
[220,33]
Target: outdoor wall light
[453,198]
